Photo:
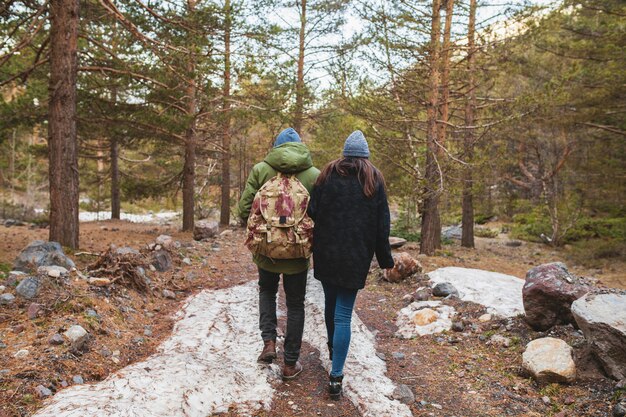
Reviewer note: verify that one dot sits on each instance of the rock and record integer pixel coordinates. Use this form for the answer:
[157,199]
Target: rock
[53,271]
[499,340]
[408,298]
[14,277]
[405,266]
[226,233]
[161,260]
[169,294]
[165,241]
[619,410]
[485,318]
[19,328]
[33,310]
[425,316]
[205,229]
[513,243]
[42,391]
[21,354]
[77,379]
[422,294]
[396,242]
[3,345]
[549,360]
[28,288]
[56,339]
[500,293]
[444,289]
[147,331]
[2,288]
[92,313]
[398,356]
[77,336]
[6,299]
[126,250]
[602,319]
[452,232]
[403,394]
[548,294]
[458,326]
[40,253]
[546,400]
[99,282]
[381,356]
[64,384]
[186,261]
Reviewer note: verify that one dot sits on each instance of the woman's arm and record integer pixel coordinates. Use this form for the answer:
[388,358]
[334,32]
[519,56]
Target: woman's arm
[383,250]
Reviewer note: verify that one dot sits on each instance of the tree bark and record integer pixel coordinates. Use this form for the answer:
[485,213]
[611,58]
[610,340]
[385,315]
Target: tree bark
[189,167]
[62,141]
[431,224]
[467,235]
[298,115]
[225,209]
[115,179]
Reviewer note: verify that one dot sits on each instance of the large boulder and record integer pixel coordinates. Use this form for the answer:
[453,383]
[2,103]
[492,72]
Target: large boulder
[405,266]
[602,319]
[396,242]
[40,253]
[549,360]
[452,232]
[204,229]
[548,294]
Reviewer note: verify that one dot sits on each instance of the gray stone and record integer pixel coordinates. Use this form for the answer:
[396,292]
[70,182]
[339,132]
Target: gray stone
[458,326]
[602,318]
[169,294]
[33,310]
[549,360]
[404,394]
[513,243]
[92,313]
[126,250]
[204,229]
[499,340]
[28,288]
[444,289]
[64,384]
[138,340]
[548,294]
[396,242]
[381,356]
[40,253]
[77,379]
[186,261]
[619,410]
[6,299]
[398,355]
[164,240]
[452,232]
[56,339]
[42,391]
[161,260]
[147,331]
[423,294]
[77,336]
[53,271]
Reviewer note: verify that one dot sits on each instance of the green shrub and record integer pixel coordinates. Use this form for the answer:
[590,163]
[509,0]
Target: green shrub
[485,232]
[405,234]
[587,251]
[482,218]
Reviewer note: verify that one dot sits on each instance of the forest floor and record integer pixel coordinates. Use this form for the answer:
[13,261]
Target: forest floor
[450,374]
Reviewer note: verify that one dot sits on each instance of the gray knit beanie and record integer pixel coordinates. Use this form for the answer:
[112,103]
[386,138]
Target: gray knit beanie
[356,145]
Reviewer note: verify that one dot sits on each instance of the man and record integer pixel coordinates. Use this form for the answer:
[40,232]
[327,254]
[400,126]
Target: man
[289,156]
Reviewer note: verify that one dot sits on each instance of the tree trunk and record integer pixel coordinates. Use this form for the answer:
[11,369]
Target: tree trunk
[431,224]
[225,212]
[62,141]
[445,76]
[298,115]
[189,168]
[467,236]
[115,179]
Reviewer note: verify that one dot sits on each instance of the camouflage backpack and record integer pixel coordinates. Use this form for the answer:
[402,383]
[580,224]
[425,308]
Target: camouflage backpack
[278,226]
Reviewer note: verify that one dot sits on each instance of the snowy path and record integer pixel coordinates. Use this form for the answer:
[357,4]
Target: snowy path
[208,366]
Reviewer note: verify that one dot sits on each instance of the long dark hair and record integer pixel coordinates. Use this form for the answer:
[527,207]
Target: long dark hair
[369,176]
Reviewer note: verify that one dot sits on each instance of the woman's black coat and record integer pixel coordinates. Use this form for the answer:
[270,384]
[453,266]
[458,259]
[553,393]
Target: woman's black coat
[349,229]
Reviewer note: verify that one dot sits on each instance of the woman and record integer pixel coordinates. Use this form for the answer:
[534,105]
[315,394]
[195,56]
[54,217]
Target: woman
[351,214]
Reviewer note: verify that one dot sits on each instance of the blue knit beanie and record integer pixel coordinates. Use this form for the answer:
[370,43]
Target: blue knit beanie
[287,135]
[356,145]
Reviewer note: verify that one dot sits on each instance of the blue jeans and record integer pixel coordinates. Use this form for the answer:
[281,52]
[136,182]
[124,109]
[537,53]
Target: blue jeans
[339,303]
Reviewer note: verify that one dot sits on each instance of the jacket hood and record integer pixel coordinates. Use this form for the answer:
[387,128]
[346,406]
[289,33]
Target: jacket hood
[290,157]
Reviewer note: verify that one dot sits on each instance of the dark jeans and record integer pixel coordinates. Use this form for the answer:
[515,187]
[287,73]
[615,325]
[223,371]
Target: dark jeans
[295,288]
[339,303]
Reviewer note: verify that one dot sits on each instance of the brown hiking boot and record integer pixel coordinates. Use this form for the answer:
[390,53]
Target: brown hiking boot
[292,371]
[269,351]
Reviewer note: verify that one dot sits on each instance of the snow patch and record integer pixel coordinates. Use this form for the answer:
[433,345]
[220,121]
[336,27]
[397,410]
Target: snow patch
[162,217]
[407,329]
[207,366]
[500,293]
[365,383]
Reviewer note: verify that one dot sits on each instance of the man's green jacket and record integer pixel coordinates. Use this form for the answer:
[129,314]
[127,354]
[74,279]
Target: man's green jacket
[289,158]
